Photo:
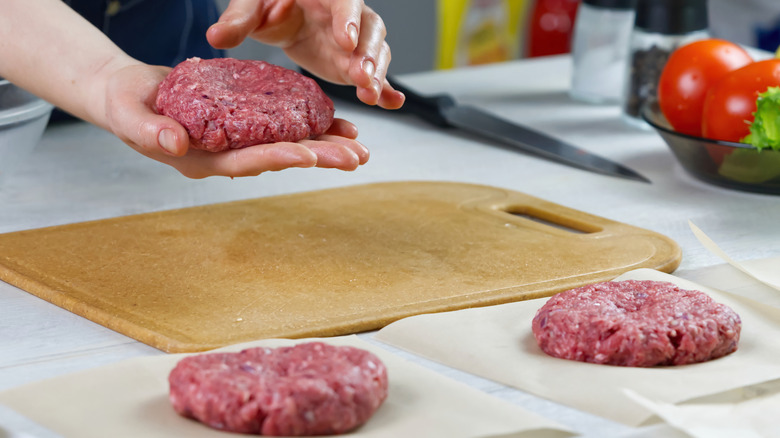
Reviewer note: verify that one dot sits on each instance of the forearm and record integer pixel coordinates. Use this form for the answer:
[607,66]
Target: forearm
[48,49]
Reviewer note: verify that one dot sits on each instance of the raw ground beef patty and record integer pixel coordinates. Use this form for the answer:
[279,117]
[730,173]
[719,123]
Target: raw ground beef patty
[308,389]
[636,323]
[227,103]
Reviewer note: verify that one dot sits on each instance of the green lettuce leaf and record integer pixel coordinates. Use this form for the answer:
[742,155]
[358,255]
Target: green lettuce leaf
[765,129]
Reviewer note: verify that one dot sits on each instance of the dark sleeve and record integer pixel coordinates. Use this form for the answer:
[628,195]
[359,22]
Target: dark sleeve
[160,32]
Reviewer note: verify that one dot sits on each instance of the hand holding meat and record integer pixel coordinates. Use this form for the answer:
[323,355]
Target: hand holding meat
[342,41]
[98,82]
[131,92]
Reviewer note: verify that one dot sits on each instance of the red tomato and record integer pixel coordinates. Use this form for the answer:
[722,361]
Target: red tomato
[731,102]
[690,71]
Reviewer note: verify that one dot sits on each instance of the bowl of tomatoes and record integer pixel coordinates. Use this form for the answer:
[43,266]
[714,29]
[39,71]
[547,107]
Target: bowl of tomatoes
[718,110]
[728,164]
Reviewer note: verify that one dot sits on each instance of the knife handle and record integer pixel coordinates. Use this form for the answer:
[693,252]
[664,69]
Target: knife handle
[429,108]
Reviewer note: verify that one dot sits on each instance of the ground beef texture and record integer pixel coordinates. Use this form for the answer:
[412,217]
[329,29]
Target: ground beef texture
[636,323]
[307,389]
[227,103]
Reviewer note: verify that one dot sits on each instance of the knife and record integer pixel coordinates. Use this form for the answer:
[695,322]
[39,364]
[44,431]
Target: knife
[441,110]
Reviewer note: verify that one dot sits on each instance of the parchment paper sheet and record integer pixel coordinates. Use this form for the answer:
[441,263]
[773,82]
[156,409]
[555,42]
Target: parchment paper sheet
[766,271]
[729,278]
[129,399]
[497,343]
[750,414]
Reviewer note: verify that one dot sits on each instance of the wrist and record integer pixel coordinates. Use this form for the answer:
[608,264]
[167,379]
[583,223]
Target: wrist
[98,84]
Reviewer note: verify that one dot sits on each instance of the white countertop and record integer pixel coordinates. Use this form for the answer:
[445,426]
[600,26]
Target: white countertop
[79,172]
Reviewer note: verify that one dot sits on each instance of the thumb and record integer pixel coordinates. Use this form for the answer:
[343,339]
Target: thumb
[153,134]
[129,110]
[244,17]
[174,142]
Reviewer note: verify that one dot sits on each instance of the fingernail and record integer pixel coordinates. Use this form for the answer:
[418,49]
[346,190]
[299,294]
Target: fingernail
[353,34]
[377,87]
[167,140]
[369,67]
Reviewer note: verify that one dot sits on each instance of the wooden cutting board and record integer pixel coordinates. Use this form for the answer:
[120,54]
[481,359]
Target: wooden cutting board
[320,263]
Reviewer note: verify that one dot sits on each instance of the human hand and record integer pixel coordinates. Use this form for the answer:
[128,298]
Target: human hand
[129,114]
[342,41]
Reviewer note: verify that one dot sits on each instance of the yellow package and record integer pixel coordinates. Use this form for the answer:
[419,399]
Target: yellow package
[472,32]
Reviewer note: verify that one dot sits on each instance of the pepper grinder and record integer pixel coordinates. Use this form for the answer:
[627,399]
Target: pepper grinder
[660,26]
[600,49]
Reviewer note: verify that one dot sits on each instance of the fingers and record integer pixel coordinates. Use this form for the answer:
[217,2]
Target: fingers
[326,151]
[244,17]
[385,95]
[343,128]
[238,20]
[334,152]
[390,98]
[249,161]
[367,55]
[347,23]
[369,64]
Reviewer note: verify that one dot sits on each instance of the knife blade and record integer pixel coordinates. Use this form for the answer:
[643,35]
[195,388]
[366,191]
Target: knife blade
[443,111]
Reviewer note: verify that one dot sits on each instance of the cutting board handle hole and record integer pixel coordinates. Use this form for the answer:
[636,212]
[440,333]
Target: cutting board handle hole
[551,220]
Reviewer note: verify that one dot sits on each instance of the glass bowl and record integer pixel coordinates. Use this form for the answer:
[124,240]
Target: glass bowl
[723,163]
[23,118]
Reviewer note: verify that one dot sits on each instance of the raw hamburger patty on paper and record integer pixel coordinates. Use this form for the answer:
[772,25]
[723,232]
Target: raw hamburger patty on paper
[307,389]
[226,103]
[636,323]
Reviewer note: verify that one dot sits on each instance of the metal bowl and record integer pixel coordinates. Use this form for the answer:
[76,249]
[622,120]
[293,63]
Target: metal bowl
[23,118]
[727,164]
